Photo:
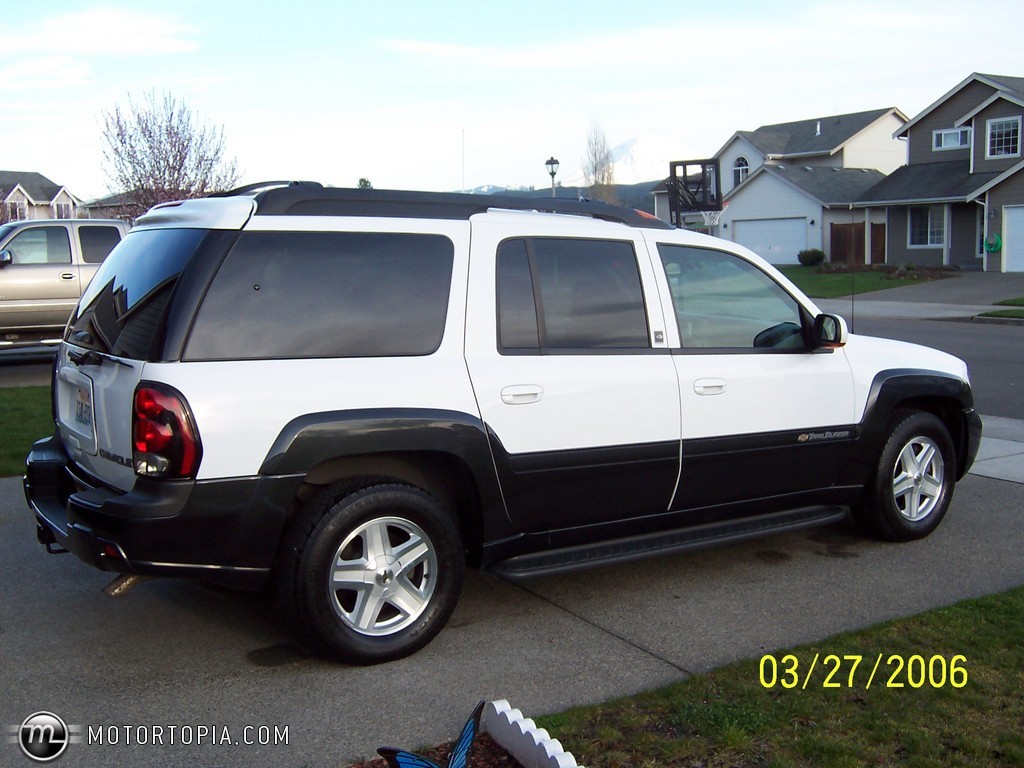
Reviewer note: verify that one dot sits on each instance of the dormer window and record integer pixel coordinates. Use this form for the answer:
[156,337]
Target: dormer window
[951,138]
[1003,137]
[740,171]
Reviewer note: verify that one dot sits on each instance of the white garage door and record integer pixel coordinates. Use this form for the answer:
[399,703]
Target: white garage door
[777,240]
[1013,239]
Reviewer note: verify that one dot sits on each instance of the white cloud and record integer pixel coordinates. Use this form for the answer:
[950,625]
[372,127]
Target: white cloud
[43,73]
[102,32]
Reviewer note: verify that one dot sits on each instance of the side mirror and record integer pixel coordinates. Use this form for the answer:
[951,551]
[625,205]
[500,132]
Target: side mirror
[6,258]
[830,332]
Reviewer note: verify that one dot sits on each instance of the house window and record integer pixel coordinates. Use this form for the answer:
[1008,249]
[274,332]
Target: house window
[740,171]
[62,210]
[951,138]
[17,211]
[926,226]
[1004,137]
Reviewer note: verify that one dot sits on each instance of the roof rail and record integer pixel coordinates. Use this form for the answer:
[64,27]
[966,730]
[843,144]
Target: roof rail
[304,198]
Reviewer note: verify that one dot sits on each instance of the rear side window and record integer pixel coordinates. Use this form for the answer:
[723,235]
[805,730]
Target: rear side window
[122,310]
[326,294]
[97,242]
[564,293]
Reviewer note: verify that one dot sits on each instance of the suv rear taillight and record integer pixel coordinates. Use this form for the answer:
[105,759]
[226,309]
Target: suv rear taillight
[164,437]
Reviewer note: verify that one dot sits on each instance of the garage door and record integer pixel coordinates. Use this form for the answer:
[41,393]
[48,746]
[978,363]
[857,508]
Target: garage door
[777,240]
[1013,238]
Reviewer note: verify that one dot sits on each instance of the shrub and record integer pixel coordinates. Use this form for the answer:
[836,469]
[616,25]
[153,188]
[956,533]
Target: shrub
[811,257]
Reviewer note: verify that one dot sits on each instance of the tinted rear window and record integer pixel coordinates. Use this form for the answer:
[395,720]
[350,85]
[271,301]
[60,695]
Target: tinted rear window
[326,294]
[122,310]
[97,242]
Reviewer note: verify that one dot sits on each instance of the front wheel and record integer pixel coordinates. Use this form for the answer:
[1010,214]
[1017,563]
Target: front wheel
[912,485]
[379,572]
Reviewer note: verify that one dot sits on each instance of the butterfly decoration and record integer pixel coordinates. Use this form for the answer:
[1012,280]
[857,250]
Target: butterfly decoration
[459,758]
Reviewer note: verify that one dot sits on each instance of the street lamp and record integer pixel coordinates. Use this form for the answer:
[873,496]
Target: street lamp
[552,165]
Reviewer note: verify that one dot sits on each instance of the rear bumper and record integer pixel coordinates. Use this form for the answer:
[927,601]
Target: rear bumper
[225,531]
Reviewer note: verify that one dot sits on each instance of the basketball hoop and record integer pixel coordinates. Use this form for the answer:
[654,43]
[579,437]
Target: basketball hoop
[711,218]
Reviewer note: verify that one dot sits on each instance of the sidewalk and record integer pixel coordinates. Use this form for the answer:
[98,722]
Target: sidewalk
[1001,455]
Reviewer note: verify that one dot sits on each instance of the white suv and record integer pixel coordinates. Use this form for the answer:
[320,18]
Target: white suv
[350,394]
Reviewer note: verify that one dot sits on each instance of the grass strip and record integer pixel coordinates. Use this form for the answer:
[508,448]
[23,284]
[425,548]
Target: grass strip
[729,718]
[1017,314]
[24,418]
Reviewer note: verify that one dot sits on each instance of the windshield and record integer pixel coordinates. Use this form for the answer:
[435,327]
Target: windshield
[122,310]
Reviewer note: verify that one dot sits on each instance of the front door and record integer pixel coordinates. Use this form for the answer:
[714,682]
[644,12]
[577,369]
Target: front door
[40,287]
[760,410]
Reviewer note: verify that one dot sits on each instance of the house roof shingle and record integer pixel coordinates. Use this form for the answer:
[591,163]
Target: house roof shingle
[927,183]
[36,186]
[830,186]
[819,135]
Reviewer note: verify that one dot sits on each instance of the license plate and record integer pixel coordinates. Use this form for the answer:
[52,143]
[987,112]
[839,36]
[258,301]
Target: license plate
[83,407]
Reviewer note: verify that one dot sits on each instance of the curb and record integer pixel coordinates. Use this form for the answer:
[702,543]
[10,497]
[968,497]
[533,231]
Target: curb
[996,320]
[533,747]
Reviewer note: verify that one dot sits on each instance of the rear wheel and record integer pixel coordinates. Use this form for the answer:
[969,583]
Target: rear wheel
[913,481]
[376,572]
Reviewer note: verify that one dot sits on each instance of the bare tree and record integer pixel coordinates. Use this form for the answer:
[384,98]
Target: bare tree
[598,168]
[159,150]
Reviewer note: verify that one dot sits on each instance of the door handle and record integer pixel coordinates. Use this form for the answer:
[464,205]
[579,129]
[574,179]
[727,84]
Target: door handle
[522,394]
[709,386]
[67,275]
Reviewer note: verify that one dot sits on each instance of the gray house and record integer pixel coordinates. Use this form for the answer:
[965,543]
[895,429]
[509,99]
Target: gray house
[959,201]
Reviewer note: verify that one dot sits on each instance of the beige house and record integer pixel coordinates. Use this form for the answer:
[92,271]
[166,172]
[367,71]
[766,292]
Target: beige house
[30,195]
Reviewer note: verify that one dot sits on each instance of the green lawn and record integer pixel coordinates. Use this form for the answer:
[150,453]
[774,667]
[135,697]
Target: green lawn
[24,418]
[830,285]
[1016,314]
[961,702]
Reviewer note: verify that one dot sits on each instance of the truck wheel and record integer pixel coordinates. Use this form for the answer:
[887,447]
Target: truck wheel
[379,572]
[912,485]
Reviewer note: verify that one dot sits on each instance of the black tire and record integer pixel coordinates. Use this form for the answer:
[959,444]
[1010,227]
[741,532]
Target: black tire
[400,567]
[912,484]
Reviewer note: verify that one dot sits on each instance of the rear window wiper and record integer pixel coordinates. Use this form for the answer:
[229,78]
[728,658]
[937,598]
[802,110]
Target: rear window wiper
[92,357]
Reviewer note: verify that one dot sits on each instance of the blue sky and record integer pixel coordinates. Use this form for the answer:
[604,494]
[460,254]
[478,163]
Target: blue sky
[434,95]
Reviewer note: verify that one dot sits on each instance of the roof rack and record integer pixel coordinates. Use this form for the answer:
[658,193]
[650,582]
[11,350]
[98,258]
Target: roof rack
[306,198]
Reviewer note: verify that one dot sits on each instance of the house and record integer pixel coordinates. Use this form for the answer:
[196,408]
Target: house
[959,200]
[115,206]
[791,186]
[30,195]
[781,210]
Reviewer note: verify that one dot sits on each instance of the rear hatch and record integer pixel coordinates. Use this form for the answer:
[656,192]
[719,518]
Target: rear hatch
[132,313]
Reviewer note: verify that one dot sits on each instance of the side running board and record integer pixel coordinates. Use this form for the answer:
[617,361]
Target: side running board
[624,550]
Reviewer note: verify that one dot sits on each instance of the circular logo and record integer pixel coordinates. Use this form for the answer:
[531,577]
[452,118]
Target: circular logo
[43,736]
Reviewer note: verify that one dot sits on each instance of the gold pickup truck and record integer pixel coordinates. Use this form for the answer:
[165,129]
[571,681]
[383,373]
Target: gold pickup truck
[45,264]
